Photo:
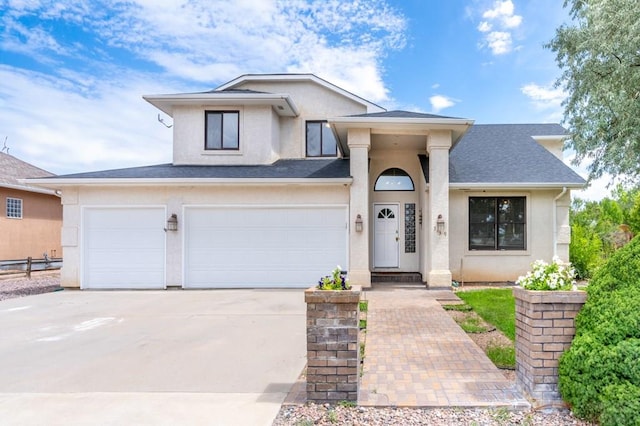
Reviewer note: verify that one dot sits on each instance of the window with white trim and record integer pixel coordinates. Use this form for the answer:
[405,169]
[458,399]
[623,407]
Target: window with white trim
[14,208]
[497,223]
[222,130]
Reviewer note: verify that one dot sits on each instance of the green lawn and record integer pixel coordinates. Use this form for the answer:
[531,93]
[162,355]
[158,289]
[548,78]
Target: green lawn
[496,306]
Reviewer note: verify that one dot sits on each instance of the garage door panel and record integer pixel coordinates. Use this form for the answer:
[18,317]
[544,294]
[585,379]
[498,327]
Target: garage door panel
[123,248]
[263,247]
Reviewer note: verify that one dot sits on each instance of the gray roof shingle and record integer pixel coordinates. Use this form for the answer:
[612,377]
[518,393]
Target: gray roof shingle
[507,153]
[488,153]
[311,169]
[12,169]
[402,114]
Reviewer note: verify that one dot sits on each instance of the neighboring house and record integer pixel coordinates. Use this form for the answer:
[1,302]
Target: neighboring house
[276,179]
[31,216]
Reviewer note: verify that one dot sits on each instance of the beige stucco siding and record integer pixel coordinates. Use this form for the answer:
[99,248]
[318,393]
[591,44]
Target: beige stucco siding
[314,102]
[37,232]
[496,266]
[259,136]
[176,199]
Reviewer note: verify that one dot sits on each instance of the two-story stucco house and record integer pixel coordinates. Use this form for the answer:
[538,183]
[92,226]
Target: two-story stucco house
[276,179]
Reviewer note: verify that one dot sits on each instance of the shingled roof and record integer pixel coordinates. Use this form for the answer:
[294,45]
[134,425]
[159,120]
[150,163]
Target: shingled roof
[13,169]
[403,114]
[499,154]
[291,169]
[507,153]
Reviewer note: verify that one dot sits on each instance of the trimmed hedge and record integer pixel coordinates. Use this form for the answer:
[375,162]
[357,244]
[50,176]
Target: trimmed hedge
[599,376]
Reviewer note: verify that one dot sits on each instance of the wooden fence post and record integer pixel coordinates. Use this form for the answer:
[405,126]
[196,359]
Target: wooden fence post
[29,259]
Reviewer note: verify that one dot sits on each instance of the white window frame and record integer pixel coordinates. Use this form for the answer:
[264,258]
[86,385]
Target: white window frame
[14,211]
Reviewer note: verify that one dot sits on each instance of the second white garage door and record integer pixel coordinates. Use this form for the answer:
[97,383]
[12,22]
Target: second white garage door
[237,247]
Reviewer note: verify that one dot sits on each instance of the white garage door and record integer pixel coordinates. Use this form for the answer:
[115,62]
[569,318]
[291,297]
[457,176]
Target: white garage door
[263,247]
[123,248]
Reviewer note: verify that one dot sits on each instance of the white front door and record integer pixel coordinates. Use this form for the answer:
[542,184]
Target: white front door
[386,236]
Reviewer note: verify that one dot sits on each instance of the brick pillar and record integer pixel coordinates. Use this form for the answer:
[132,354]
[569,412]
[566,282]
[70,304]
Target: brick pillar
[332,345]
[544,330]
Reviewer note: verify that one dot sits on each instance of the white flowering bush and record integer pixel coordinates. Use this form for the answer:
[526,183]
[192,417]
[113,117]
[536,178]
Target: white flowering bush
[556,275]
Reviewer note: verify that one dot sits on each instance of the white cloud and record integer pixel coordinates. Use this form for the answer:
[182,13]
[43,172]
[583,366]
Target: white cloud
[83,109]
[499,42]
[503,12]
[497,27]
[65,132]
[439,102]
[484,27]
[546,98]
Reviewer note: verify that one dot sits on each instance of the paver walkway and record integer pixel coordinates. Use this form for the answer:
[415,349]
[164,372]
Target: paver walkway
[417,356]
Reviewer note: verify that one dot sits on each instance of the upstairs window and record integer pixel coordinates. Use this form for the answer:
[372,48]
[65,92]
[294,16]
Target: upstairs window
[497,223]
[394,180]
[321,141]
[222,130]
[14,208]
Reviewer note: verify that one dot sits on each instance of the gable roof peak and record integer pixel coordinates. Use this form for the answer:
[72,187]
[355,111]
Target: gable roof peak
[291,77]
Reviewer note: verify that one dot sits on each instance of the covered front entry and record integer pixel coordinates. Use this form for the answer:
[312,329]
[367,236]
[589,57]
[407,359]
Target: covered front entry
[257,246]
[386,236]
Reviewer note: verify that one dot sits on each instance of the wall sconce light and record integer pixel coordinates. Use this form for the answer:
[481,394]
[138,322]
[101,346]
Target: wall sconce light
[358,223]
[440,225]
[172,223]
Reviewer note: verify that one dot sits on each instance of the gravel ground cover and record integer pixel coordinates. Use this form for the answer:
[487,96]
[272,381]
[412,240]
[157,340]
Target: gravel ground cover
[18,285]
[326,415]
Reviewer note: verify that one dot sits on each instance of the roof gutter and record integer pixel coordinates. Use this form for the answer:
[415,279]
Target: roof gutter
[67,182]
[514,185]
[29,188]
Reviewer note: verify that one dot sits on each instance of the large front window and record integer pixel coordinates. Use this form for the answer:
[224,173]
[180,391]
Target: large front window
[320,140]
[497,223]
[222,130]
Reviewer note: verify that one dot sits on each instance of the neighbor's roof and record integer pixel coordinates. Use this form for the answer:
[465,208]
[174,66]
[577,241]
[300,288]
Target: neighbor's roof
[285,171]
[508,154]
[12,170]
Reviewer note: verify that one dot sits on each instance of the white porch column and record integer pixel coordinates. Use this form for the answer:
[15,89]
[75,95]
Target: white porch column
[438,145]
[359,141]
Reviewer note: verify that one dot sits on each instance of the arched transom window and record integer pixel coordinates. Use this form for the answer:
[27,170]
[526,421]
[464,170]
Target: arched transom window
[394,180]
[386,214]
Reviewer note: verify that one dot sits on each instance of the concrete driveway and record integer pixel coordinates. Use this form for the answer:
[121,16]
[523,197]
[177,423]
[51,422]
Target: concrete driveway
[220,357]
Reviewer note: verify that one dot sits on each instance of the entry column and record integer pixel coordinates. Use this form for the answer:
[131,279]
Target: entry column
[359,141]
[438,145]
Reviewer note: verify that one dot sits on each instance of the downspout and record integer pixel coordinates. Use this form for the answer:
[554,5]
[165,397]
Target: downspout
[555,220]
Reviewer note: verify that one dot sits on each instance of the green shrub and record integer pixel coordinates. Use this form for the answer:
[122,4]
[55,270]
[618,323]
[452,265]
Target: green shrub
[599,376]
[585,251]
[623,405]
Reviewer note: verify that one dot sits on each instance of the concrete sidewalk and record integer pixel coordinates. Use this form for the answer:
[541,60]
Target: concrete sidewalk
[417,356]
[222,357]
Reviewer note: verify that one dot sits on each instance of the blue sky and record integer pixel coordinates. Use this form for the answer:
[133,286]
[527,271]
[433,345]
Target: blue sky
[72,74]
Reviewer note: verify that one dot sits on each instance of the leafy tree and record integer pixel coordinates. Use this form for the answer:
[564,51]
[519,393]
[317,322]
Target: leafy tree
[600,61]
